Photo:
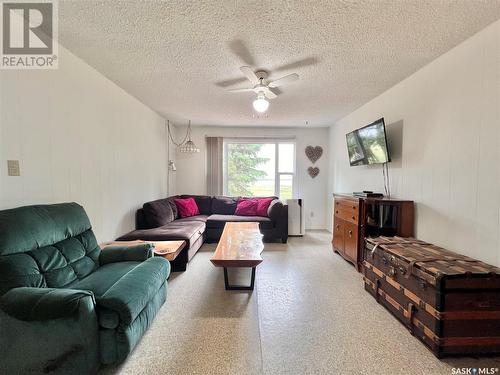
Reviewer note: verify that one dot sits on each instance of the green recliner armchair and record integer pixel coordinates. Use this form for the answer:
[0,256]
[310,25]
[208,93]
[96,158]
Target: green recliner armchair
[65,305]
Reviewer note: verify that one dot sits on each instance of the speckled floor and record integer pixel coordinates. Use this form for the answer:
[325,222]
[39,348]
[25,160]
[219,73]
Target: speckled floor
[309,314]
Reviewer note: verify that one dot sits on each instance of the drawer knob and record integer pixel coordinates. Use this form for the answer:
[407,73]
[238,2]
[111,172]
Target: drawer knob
[354,218]
[337,226]
[350,233]
[337,211]
[392,272]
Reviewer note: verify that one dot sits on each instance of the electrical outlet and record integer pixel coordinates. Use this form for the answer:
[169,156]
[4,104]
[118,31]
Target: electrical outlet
[13,168]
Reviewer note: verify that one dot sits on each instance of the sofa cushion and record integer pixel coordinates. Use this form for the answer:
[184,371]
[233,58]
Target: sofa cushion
[19,270]
[52,266]
[171,201]
[218,221]
[176,230]
[28,228]
[202,218]
[187,207]
[103,278]
[158,213]
[204,203]
[224,205]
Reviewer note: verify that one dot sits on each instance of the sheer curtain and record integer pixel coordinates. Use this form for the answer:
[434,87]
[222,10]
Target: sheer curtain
[214,165]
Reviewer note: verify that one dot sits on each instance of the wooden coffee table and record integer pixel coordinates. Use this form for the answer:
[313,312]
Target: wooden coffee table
[166,249]
[239,246]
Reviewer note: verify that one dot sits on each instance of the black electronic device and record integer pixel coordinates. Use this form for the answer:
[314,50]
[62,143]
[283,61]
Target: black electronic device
[367,194]
[368,145]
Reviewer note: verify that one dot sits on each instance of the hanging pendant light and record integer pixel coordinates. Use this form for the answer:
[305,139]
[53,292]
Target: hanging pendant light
[186,145]
[189,147]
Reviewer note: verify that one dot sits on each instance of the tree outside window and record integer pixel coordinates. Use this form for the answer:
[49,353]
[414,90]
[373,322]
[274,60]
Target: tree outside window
[259,169]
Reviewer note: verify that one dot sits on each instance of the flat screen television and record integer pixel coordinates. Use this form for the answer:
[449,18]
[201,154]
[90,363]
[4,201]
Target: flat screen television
[368,145]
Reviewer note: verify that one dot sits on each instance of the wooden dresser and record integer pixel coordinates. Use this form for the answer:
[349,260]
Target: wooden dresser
[355,218]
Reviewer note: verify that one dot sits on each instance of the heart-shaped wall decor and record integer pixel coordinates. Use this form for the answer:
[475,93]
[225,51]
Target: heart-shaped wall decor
[314,153]
[313,171]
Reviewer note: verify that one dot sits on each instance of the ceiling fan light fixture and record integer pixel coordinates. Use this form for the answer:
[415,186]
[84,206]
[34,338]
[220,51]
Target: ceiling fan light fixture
[260,104]
[262,87]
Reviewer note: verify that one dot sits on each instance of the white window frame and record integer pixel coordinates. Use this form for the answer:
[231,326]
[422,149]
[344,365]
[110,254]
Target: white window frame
[277,173]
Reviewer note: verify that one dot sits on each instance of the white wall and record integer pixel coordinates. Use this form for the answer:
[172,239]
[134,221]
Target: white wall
[443,124]
[191,169]
[172,175]
[79,137]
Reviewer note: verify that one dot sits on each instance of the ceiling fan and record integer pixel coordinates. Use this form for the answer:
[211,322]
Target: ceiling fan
[262,88]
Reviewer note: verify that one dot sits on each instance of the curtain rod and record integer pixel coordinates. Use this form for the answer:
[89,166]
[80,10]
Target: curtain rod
[254,137]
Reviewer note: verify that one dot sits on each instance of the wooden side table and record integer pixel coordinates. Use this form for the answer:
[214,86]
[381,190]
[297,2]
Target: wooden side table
[166,249]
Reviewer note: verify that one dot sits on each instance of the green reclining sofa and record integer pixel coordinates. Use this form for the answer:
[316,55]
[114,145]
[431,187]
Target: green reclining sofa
[66,306]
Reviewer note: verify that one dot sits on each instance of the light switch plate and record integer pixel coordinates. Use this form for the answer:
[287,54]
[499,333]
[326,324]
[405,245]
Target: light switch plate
[13,168]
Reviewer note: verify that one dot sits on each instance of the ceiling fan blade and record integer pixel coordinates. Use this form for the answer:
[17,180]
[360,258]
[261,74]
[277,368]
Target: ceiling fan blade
[295,64]
[250,74]
[240,49]
[239,90]
[284,80]
[269,93]
[230,82]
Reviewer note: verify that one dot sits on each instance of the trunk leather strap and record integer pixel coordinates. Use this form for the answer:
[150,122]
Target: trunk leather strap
[411,265]
[412,296]
[415,322]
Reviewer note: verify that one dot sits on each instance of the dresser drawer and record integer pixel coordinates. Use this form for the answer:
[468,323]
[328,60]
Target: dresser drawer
[338,235]
[347,209]
[351,241]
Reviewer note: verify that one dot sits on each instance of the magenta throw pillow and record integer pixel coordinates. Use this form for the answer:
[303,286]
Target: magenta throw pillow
[263,205]
[247,207]
[187,207]
[253,206]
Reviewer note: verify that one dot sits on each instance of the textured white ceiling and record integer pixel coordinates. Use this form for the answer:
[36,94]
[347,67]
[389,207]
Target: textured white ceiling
[178,56]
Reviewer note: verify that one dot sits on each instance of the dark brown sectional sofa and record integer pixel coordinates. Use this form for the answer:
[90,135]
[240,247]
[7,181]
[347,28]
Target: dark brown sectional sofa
[159,221]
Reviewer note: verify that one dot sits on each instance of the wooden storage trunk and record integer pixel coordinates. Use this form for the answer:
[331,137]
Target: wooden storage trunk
[449,301]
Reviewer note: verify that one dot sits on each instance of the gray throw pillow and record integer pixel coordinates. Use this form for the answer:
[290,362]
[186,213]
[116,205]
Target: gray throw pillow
[224,205]
[158,213]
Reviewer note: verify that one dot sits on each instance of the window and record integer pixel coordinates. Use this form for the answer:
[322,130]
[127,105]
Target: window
[259,169]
